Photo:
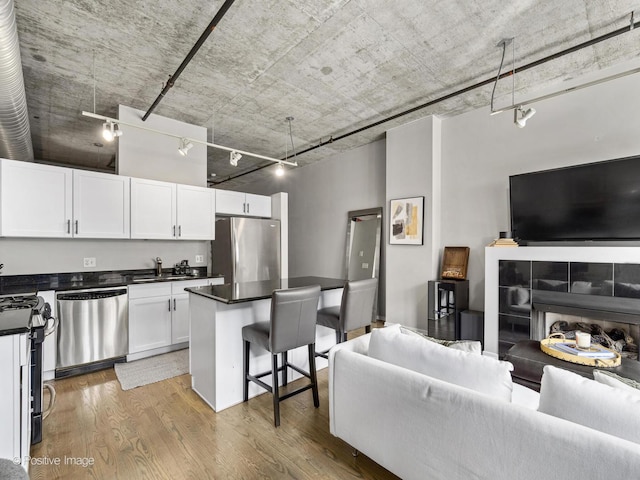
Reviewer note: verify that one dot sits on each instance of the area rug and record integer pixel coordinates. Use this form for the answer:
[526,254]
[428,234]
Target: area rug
[153,369]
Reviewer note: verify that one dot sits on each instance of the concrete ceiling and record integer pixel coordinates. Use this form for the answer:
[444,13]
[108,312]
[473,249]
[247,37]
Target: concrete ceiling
[334,65]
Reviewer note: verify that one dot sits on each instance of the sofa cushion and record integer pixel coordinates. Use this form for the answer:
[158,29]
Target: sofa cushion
[483,374]
[613,380]
[572,397]
[471,346]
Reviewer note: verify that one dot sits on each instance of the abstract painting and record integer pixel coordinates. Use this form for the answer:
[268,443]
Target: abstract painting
[406,218]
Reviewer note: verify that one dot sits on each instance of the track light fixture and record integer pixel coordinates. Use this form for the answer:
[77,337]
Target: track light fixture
[185,146]
[524,116]
[110,131]
[234,157]
[280,170]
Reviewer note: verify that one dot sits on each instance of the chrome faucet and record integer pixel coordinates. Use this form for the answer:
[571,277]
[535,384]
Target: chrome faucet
[158,266]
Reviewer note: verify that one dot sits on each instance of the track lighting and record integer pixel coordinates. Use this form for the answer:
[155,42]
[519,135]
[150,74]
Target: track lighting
[185,146]
[525,115]
[110,131]
[280,170]
[234,157]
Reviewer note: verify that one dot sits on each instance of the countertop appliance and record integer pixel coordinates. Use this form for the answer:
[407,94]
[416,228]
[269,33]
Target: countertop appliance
[246,249]
[41,324]
[93,332]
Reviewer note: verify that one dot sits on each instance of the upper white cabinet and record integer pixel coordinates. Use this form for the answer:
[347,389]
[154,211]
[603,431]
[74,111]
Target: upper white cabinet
[45,201]
[162,210]
[239,203]
[100,205]
[153,209]
[196,213]
[35,200]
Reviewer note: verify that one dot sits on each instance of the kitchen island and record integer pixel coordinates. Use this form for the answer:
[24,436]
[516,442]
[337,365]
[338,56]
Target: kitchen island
[217,314]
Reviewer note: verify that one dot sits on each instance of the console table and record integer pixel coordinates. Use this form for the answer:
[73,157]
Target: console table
[528,363]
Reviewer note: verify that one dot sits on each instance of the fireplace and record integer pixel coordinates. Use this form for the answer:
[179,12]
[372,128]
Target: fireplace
[528,289]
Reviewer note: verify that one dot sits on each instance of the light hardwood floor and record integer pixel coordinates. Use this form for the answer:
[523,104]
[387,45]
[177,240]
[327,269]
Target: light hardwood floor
[165,431]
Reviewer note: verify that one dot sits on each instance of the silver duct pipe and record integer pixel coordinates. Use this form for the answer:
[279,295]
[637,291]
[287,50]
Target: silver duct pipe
[15,134]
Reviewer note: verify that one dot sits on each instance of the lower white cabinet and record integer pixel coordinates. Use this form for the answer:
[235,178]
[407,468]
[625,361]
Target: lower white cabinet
[159,314]
[15,400]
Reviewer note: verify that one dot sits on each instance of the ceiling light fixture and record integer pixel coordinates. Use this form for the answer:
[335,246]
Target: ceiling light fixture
[524,116]
[280,170]
[107,131]
[185,146]
[118,123]
[234,157]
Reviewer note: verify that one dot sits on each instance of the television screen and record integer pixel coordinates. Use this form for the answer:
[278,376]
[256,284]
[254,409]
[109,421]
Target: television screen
[596,201]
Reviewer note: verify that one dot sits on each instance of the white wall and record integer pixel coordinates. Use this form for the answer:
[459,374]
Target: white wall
[145,154]
[413,166]
[320,195]
[480,151]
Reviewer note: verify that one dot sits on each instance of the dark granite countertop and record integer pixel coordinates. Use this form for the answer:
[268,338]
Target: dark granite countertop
[15,321]
[20,284]
[248,291]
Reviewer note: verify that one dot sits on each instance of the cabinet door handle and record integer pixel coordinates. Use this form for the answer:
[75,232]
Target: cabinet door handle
[76,226]
[174,230]
[244,208]
[174,304]
[169,302]
[248,205]
[68,226]
[179,230]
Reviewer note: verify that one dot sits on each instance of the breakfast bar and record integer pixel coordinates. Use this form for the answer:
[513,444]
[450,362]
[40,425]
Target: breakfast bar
[217,314]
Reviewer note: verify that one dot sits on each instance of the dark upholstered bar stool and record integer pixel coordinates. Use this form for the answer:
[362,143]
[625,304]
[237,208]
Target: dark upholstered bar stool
[292,325]
[355,310]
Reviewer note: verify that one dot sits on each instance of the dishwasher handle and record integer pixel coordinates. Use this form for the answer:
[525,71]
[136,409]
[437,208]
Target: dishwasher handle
[92,295]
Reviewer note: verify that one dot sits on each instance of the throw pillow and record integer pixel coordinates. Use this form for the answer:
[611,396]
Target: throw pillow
[471,346]
[616,381]
[567,395]
[483,374]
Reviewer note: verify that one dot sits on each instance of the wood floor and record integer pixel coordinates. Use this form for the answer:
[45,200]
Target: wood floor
[165,431]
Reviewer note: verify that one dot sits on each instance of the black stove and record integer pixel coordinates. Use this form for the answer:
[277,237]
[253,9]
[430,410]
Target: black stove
[19,302]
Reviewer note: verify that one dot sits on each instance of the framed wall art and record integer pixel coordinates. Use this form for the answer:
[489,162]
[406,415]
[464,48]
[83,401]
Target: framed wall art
[406,217]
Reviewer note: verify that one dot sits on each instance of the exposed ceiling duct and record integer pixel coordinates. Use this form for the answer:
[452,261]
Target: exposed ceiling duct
[15,134]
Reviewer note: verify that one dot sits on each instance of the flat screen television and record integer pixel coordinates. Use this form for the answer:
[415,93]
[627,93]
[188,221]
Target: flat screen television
[595,201]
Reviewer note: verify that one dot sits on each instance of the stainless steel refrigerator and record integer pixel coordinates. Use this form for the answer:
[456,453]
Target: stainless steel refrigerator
[246,249]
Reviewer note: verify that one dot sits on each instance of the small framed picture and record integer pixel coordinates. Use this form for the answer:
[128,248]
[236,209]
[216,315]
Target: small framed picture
[406,217]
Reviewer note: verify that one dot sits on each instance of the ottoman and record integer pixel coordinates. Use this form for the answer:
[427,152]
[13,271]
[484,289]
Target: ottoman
[528,361]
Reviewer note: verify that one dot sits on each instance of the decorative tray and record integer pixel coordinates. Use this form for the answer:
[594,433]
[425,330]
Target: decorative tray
[547,347]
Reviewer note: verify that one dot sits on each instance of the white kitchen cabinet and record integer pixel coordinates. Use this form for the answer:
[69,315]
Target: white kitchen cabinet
[159,314]
[149,316]
[100,205]
[15,401]
[180,303]
[163,210]
[240,203]
[153,209]
[196,217]
[35,200]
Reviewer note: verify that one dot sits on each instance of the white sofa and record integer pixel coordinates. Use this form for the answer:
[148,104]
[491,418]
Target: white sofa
[419,427]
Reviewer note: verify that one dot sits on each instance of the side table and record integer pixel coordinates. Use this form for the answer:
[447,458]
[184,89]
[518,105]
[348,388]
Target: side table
[528,363]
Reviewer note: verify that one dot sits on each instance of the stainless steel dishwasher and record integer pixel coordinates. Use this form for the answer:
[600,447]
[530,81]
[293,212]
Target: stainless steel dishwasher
[93,330]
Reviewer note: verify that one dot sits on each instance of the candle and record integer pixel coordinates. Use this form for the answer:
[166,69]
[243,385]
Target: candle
[583,340]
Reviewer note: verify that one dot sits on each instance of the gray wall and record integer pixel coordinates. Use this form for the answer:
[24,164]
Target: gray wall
[480,152]
[47,255]
[413,170]
[320,195]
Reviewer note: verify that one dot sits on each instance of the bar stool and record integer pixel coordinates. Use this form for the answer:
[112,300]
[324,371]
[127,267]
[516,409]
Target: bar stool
[292,325]
[355,310]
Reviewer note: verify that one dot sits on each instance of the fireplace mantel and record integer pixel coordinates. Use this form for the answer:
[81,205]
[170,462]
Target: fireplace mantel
[588,254]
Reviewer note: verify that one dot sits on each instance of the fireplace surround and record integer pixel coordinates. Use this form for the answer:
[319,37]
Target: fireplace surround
[525,284]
